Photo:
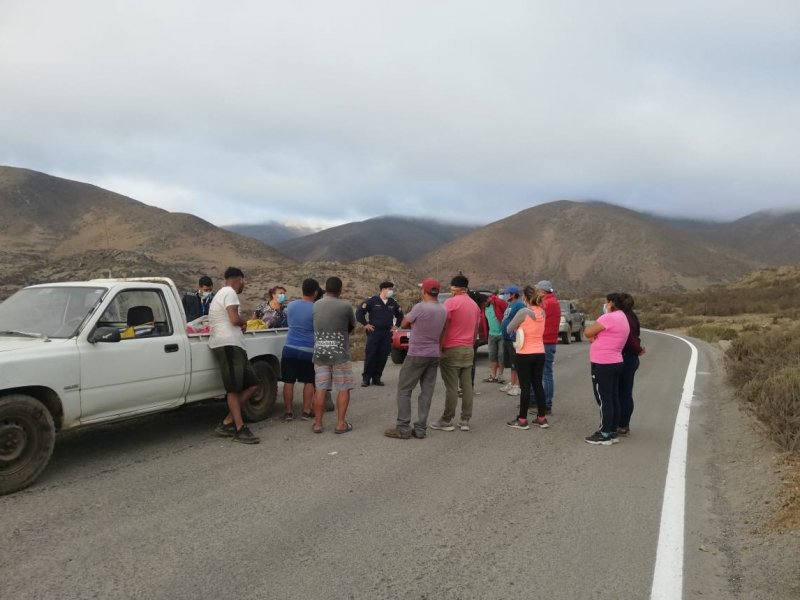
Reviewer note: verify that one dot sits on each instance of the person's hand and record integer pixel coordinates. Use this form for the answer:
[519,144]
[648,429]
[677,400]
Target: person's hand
[369,327]
[243,327]
[643,351]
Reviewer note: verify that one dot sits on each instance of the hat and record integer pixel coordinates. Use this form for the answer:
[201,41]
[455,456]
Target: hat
[544,285]
[512,289]
[459,281]
[431,286]
[386,284]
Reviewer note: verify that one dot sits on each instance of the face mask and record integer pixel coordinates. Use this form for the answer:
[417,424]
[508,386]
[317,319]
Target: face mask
[205,294]
[504,297]
[605,308]
[281,298]
[390,293]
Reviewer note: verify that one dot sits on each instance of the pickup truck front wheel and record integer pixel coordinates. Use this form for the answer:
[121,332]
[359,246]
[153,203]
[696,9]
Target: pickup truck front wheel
[260,405]
[27,437]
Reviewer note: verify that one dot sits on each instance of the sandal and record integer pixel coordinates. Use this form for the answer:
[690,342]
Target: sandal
[307,416]
[348,427]
[288,417]
[490,379]
[317,429]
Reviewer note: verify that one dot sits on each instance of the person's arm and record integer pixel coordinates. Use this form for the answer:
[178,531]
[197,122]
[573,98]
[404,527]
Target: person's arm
[233,316]
[514,323]
[361,315]
[352,324]
[398,314]
[592,330]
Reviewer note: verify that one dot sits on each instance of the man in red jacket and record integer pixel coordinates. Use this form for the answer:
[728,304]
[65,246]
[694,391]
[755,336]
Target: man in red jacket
[552,311]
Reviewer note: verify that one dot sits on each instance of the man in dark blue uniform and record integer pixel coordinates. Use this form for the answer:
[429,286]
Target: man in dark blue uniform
[379,315]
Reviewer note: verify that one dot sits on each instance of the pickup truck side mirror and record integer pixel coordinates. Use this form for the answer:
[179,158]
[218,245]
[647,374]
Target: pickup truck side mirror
[104,334]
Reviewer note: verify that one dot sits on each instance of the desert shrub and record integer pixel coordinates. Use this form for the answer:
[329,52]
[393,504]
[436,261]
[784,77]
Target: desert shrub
[711,332]
[777,404]
[764,367]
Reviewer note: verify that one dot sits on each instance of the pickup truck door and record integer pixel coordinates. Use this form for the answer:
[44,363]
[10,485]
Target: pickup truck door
[144,371]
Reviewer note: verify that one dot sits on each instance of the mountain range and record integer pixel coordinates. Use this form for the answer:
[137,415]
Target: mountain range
[57,229]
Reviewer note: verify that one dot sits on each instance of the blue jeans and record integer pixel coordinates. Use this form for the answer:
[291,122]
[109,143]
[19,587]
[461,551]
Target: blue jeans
[549,386]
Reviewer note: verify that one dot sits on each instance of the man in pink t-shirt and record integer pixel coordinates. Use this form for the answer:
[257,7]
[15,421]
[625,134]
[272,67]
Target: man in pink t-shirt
[458,339]
[608,336]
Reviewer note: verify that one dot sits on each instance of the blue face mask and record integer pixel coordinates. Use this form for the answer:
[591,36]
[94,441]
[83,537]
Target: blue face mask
[205,294]
[281,298]
[390,293]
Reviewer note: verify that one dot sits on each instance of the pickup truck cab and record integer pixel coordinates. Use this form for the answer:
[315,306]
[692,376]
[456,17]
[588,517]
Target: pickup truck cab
[77,354]
[572,324]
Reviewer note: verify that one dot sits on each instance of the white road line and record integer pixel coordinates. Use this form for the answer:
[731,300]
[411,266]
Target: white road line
[668,574]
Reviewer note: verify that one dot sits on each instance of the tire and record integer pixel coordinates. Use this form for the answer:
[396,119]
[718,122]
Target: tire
[566,337]
[579,335]
[27,437]
[398,356]
[261,404]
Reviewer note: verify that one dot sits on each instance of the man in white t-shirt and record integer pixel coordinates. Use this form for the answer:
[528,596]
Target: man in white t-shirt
[227,344]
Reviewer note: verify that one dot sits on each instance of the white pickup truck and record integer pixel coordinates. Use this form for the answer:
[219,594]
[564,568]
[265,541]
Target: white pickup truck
[76,354]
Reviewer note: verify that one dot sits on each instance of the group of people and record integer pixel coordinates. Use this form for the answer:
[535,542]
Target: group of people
[522,328]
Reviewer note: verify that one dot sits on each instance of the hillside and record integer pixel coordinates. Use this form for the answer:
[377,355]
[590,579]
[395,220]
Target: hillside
[54,225]
[586,247]
[403,238]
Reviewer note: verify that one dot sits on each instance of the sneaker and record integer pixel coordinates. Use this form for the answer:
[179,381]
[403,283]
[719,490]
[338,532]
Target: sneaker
[420,435]
[598,439]
[499,380]
[378,382]
[506,387]
[542,422]
[443,425]
[307,416]
[365,384]
[614,438]
[519,423]
[490,379]
[623,431]
[397,434]
[225,430]
[245,436]
[288,417]
[463,425]
[515,390]
[548,410]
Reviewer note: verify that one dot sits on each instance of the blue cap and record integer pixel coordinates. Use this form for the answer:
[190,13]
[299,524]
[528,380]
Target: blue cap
[512,289]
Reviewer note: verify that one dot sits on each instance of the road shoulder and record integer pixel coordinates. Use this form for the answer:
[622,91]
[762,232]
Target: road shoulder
[734,546]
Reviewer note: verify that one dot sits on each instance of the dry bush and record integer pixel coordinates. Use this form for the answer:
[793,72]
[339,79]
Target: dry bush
[711,332]
[765,369]
[777,404]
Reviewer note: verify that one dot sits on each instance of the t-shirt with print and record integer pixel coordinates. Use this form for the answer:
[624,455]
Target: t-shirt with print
[223,332]
[333,320]
[427,321]
[463,316]
[300,317]
[491,319]
[606,349]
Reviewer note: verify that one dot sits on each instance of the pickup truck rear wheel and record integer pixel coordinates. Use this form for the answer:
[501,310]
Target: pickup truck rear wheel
[566,337]
[27,437]
[398,356]
[260,405]
[579,335]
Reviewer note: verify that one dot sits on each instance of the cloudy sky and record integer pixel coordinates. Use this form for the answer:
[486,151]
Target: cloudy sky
[333,111]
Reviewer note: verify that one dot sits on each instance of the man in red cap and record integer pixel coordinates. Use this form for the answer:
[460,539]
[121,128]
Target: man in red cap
[426,321]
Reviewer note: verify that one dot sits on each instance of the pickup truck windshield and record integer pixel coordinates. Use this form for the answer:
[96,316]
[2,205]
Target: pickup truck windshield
[53,312]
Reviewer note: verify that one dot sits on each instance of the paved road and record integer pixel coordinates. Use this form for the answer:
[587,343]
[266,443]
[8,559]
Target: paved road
[159,508]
